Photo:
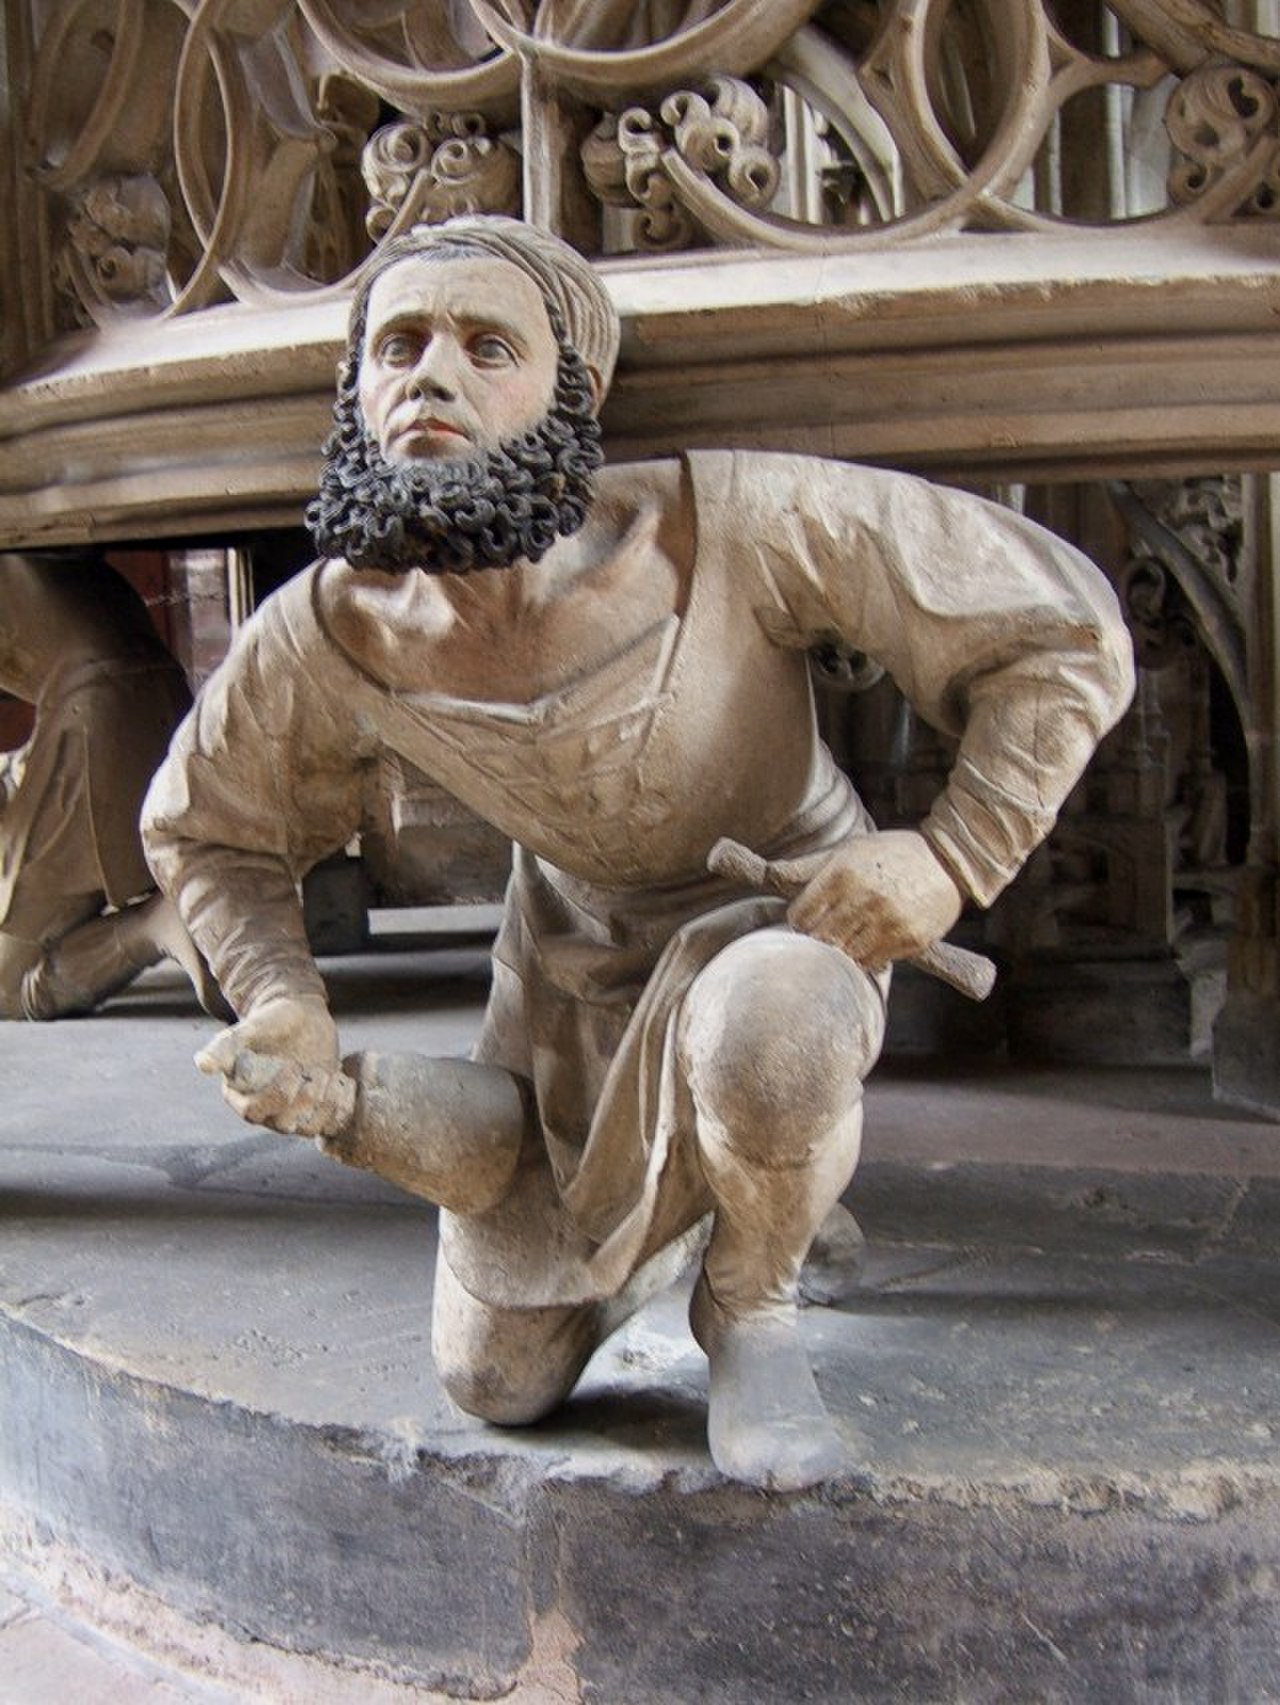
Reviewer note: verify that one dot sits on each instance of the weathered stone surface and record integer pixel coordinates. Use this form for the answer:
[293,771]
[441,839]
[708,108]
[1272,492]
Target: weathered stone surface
[850,1600]
[315,1538]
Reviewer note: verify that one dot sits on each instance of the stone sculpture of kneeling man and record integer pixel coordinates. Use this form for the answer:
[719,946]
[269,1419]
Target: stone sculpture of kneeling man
[609,664]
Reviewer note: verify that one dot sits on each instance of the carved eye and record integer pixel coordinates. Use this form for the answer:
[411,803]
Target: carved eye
[397,349]
[489,350]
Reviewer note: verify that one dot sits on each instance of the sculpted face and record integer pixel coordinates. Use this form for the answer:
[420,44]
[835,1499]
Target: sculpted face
[464,429]
[458,356]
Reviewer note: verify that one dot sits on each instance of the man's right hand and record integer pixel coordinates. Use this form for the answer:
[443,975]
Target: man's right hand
[281,1068]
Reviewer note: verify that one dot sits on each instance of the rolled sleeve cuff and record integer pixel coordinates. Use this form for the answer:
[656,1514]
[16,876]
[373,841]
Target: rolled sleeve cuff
[981,835]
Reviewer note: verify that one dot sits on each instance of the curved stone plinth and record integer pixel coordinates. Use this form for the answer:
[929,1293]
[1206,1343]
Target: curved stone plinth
[1088,355]
[1059,1384]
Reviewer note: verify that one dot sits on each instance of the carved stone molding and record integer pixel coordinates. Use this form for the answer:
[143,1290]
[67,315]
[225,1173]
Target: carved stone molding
[958,360]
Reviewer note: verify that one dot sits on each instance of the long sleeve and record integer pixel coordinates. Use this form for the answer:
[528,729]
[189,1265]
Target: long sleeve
[997,632]
[263,779]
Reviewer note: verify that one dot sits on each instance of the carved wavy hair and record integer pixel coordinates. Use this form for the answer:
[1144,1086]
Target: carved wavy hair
[452,516]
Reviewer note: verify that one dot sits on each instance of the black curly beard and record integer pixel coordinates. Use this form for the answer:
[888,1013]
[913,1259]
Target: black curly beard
[451,516]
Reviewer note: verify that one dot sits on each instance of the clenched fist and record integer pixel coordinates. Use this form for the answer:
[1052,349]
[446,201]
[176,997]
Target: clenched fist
[280,1068]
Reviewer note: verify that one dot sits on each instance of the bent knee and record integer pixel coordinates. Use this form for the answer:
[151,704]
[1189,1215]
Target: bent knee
[510,1366]
[499,1395]
[780,1028]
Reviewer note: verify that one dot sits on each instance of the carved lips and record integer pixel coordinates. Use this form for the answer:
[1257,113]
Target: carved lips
[428,435]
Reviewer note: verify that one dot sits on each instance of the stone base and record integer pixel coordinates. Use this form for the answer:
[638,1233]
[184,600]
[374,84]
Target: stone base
[414,1558]
[1246,1053]
[1057,1464]
[1057,1384]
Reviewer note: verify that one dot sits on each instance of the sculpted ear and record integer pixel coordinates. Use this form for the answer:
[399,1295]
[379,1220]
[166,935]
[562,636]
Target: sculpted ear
[597,387]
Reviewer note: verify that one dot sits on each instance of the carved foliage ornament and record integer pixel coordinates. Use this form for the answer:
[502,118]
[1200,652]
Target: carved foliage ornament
[117,239]
[1181,582]
[436,170]
[721,131]
[284,134]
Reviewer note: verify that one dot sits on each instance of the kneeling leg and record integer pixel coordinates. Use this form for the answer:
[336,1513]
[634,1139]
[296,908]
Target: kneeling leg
[778,1033]
[35,927]
[510,1366]
[81,967]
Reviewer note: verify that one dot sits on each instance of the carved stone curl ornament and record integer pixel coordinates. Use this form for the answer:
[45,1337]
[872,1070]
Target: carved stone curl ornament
[436,170]
[1222,121]
[722,132]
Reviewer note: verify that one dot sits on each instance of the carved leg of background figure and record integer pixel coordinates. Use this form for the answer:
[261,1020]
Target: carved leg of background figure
[510,1366]
[779,1032]
[34,920]
[93,961]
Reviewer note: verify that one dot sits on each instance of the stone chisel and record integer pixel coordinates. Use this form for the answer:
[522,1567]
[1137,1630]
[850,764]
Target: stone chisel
[971,974]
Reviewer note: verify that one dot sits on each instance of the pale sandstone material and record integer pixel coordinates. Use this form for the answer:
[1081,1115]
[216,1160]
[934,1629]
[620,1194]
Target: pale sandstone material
[682,1044]
[982,358]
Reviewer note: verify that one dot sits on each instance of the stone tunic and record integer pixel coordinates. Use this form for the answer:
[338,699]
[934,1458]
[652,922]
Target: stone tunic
[616,784]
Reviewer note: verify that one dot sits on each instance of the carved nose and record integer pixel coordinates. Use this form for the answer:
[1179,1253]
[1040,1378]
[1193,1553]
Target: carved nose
[425,384]
[432,376]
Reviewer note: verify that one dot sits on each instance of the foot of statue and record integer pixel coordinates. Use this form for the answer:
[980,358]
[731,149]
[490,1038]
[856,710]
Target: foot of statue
[766,1423]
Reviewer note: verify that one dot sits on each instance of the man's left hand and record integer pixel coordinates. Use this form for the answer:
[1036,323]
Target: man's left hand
[877,897]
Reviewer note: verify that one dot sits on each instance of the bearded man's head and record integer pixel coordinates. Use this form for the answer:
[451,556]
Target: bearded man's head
[465,432]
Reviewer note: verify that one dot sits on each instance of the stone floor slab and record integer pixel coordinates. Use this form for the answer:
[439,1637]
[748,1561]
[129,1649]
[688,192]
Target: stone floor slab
[1059,1382]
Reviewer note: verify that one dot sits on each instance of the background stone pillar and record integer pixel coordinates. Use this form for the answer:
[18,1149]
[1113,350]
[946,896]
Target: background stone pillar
[1246,1051]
